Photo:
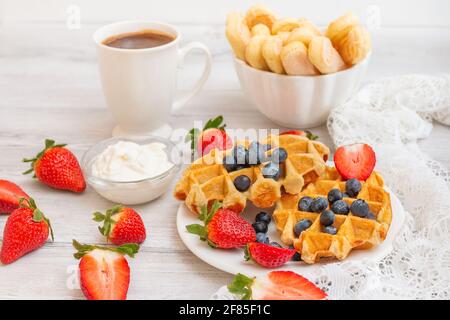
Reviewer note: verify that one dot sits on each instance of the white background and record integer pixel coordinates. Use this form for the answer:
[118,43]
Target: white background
[393,12]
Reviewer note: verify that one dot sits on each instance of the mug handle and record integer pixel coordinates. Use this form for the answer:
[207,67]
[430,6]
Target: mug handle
[180,102]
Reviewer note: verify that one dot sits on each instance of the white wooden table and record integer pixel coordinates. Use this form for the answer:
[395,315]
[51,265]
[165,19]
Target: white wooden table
[49,88]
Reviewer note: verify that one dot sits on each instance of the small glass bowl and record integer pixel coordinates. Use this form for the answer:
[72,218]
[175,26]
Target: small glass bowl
[131,192]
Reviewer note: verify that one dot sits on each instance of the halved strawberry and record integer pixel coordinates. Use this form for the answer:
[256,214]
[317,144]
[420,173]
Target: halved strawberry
[223,228]
[213,139]
[276,285]
[355,161]
[212,136]
[104,271]
[10,194]
[268,256]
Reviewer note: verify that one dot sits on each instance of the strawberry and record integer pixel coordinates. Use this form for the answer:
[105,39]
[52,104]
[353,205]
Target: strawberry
[26,229]
[223,228]
[121,225]
[294,132]
[10,194]
[268,256]
[355,161]
[212,136]
[276,285]
[104,271]
[58,168]
[306,133]
[213,139]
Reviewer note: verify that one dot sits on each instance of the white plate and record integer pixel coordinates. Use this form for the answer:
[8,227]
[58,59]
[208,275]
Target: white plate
[232,261]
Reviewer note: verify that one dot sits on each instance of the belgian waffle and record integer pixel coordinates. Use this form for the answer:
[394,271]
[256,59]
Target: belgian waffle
[352,232]
[206,180]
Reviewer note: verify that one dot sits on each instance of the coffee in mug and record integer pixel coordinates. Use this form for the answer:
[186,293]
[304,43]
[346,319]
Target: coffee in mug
[139,40]
[139,63]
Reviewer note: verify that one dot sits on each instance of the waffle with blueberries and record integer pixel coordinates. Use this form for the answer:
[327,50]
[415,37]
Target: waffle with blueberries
[255,171]
[330,217]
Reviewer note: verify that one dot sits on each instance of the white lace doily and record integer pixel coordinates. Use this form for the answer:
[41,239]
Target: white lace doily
[391,115]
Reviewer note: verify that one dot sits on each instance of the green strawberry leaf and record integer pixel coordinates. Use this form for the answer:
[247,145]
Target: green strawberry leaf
[198,230]
[242,286]
[311,136]
[194,133]
[98,217]
[129,249]
[216,206]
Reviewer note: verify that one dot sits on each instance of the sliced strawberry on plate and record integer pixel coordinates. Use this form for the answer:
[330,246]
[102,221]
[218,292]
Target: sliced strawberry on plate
[57,167]
[104,271]
[10,194]
[213,135]
[276,285]
[213,139]
[355,161]
[268,256]
[121,225]
[223,228]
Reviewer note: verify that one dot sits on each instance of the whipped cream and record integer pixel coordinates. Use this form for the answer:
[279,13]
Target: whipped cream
[128,161]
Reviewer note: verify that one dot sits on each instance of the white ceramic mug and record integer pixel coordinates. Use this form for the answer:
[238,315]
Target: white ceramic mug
[140,84]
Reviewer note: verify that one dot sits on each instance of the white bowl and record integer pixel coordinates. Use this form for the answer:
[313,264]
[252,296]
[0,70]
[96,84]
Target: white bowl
[131,192]
[298,101]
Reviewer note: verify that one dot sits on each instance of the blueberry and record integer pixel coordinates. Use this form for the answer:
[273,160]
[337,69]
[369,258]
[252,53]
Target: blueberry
[360,208]
[340,207]
[305,204]
[371,216]
[296,256]
[276,244]
[240,154]
[327,218]
[272,171]
[319,204]
[256,153]
[344,195]
[352,187]
[264,217]
[279,155]
[334,195]
[262,238]
[229,162]
[302,225]
[260,227]
[329,230]
[242,183]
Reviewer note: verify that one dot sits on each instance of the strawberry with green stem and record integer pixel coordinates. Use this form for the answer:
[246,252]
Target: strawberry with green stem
[223,228]
[26,230]
[57,167]
[121,225]
[104,271]
[213,135]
